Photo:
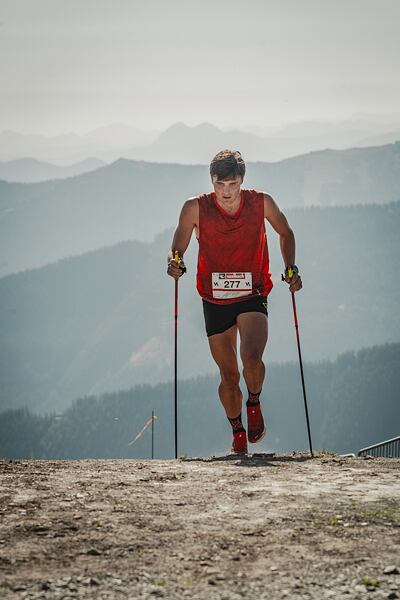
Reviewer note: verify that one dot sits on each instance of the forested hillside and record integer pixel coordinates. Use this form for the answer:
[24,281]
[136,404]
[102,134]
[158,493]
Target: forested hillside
[353,402]
[104,321]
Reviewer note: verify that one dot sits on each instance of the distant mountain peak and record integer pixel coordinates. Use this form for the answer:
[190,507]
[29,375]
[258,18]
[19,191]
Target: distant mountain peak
[208,127]
[180,127]
[181,133]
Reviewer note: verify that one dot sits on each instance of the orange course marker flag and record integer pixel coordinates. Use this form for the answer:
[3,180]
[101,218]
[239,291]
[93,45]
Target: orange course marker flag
[137,436]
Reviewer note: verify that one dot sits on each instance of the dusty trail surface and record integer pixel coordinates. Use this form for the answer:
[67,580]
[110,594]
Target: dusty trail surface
[257,527]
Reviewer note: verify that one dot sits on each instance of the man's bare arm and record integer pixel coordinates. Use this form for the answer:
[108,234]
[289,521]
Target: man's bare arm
[287,241]
[187,222]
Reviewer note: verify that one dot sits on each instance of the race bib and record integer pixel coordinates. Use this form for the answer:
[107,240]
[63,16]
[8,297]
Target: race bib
[231,285]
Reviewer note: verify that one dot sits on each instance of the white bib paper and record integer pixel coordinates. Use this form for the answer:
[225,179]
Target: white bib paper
[231,285]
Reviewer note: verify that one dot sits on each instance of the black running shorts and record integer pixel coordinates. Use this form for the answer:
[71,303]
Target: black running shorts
[220,317]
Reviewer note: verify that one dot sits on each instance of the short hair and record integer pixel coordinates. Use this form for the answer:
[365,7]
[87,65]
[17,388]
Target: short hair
[227,164]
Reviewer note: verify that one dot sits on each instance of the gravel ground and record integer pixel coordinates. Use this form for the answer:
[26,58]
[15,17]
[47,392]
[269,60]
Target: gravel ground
[263,526]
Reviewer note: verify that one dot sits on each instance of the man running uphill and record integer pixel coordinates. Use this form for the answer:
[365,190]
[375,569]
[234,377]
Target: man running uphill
[234,281]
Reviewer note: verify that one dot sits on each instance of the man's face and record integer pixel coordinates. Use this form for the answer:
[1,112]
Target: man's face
[227,190]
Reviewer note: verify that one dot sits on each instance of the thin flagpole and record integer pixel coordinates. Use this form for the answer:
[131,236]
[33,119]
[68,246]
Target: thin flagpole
[152,434]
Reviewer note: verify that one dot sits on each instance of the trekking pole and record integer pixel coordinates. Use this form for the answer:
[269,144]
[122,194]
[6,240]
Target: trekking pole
[290,273]
[176,259]
[176,368]
[182,267]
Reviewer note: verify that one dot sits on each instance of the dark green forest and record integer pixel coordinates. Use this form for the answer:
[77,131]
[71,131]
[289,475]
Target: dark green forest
[353,402]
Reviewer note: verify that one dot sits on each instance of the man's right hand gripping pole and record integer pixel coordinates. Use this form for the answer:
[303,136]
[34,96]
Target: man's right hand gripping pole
[176,266]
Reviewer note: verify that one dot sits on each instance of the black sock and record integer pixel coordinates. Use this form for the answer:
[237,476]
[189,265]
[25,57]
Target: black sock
[254,399]
[236,423]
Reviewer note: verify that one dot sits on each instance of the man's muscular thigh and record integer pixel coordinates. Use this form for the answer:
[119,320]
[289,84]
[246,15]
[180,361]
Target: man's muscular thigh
[253,331]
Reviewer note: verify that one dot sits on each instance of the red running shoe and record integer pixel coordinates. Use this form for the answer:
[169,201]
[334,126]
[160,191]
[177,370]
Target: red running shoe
[239,443]
[255,423]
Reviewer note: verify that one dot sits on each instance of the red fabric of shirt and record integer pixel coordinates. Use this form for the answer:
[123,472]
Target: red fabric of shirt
[233,243]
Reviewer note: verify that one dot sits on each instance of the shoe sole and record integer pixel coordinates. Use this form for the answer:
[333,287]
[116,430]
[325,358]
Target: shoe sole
[233,451]
[255,440]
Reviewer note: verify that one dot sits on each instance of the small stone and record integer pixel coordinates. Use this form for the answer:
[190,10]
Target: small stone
[371,588]
[391,570]
[158,592]
[93,552]
[45,585]
[19,588]
[211,571]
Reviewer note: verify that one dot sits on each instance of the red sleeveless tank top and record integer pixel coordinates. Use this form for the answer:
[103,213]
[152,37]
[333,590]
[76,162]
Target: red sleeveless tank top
[233,260]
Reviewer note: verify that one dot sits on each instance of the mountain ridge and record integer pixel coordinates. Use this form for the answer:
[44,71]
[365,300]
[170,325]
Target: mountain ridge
[197,144]
[32,170]
[136,199]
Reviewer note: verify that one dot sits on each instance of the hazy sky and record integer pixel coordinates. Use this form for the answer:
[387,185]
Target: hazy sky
[73,65]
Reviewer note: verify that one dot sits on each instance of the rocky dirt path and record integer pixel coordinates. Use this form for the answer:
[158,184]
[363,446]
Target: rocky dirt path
[259,527]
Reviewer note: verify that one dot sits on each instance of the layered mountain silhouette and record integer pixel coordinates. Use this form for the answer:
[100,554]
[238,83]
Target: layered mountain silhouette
[31,170]
[103,321]
[198,144]
[44,222]
[191,145]
[106,143]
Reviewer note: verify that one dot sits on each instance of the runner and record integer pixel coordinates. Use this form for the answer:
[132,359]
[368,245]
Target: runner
[234,281]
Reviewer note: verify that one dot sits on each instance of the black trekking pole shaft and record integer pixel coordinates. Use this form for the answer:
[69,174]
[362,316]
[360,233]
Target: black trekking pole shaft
[301,371]
[176,369]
